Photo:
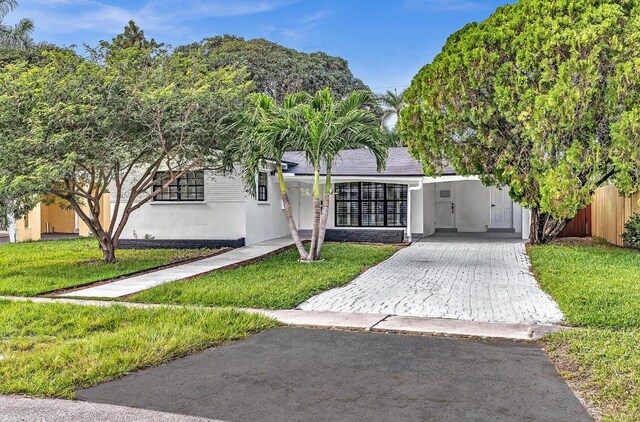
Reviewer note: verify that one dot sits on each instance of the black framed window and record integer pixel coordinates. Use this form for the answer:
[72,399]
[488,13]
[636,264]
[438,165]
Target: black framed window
[188,187]
[366,204]
[263,181]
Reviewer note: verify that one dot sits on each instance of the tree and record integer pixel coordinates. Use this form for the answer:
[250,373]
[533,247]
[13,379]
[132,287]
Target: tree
[129,122]
[392,104]
[14,36]
[275,70]
[539,97]
[320,127]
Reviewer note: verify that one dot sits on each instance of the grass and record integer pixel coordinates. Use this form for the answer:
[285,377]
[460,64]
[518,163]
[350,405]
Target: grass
[595,285]
[56,349]
[278,282]
[598,288]
[32,268]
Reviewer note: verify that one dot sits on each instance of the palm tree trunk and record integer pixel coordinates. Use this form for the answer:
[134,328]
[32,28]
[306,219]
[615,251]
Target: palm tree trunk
[324,218]
[295,235]
[316,215]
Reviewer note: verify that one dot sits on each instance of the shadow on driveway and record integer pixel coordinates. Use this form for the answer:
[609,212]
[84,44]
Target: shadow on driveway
[294,374]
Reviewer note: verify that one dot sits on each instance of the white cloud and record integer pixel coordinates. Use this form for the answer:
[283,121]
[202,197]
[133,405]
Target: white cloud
[440,5]
[162,16]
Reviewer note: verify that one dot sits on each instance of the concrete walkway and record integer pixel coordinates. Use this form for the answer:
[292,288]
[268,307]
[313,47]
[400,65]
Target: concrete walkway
[464,278]
[142,282]
[22,409]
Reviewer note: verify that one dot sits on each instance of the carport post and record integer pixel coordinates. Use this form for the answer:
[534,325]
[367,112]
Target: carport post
[410,190]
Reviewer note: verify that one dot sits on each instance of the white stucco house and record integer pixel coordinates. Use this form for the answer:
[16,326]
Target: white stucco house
[399,203]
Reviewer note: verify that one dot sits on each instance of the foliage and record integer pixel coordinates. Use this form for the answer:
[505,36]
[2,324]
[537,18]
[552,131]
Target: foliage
[319,126]
[278,282]
[13,36]
[55,349]
[275,70]
[540,97]
[32,268]
[83,126]
[632,230]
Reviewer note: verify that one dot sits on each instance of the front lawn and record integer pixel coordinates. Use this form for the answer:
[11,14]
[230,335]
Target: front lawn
[597,287]
[278,282]
[55,349]
[32,268]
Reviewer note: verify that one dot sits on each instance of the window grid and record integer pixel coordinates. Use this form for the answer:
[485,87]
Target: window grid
[368,204]
[188,187]
[263,179]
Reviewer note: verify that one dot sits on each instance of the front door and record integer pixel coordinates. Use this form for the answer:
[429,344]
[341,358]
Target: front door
[501,208]
[445,206]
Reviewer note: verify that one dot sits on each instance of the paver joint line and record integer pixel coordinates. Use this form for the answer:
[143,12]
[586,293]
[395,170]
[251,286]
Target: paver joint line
[453,278]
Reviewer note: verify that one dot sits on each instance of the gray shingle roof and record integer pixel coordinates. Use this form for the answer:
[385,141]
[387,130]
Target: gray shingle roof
[360,162]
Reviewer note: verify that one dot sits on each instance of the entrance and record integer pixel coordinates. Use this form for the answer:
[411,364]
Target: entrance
[445,206]
[501,208]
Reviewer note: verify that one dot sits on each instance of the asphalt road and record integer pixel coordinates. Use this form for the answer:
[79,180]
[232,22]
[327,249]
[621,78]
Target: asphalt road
[294,374]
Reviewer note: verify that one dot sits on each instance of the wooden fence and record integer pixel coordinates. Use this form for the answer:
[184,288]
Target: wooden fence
[580,226]
[609,213]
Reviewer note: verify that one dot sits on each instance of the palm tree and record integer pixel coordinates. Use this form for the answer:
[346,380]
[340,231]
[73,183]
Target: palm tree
[392,104]
[328,127]
[14,36]
[318,126]
[269,131]
[355,127]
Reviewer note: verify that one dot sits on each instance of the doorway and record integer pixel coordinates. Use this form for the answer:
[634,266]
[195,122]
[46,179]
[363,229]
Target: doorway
[445,207]
[501,208]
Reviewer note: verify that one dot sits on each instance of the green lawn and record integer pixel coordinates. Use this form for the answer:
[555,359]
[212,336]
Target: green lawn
[31,268]
[278,282]
[56,349]
[598,288]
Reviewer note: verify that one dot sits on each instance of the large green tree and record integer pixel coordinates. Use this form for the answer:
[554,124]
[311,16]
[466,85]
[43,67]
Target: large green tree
[130,121]
[276,70]
[319,126]
[542,97]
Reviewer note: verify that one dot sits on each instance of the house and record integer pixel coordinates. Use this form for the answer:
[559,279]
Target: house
[52,219]
[400,203]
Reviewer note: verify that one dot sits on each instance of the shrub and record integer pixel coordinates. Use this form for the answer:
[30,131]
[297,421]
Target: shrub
[632,230]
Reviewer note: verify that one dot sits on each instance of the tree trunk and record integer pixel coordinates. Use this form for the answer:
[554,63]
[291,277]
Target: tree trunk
[11,225]
[108,249]
[316,216]
[295,235]
[324,217]
[544,228]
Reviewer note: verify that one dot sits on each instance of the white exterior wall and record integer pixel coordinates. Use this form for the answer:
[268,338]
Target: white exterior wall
[429,209]
[266,220]
[417,206]
[221,215]
[473,206]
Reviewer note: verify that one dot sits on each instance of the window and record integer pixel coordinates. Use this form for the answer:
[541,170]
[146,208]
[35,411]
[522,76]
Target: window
[263,179]
[371,205]
[188,187]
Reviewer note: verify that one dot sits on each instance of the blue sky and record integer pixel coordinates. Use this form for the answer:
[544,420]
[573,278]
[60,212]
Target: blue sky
[385,41]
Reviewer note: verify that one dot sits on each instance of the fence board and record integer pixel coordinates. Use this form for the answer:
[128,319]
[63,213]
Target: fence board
[610,212]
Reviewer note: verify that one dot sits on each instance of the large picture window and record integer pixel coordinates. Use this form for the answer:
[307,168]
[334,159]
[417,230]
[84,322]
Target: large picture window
[188,187]
[367,204]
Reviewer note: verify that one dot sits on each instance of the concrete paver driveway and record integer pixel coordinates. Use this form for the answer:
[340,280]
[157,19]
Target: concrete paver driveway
[294,374]
[468,278]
